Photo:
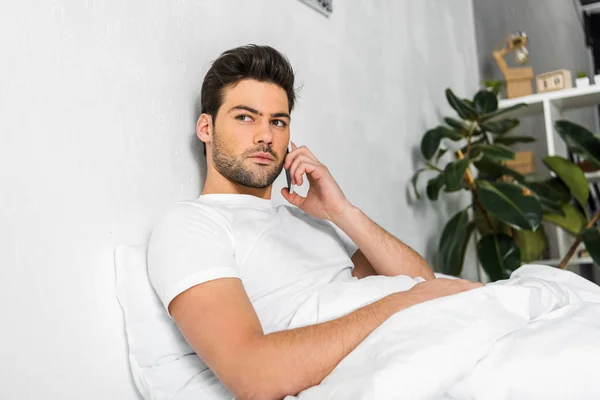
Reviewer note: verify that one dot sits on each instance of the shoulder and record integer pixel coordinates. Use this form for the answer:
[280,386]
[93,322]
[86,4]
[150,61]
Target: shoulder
[190,216]
[188,226]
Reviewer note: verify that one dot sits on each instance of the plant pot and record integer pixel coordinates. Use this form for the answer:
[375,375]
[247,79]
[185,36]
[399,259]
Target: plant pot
[582,82]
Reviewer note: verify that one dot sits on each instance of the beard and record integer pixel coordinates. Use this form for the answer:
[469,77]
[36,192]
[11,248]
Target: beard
[237,170]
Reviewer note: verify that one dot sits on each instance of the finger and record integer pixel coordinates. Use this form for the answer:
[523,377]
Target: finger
[304,166]
[298,159]
[304,150]
[293,198]
[291,156]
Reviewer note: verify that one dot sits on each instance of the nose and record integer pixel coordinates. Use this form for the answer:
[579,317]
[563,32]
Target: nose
[264,134]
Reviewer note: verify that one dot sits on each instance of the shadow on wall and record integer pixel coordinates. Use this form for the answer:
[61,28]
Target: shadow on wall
[440,211]
[197,148]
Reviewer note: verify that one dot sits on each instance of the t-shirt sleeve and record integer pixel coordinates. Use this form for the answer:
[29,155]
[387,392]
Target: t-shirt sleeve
[349,245]
[190,245]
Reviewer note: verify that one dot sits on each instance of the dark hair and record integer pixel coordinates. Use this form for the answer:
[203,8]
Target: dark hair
[262,63]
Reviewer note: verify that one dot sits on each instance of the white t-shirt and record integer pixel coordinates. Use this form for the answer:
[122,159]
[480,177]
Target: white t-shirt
[281,254]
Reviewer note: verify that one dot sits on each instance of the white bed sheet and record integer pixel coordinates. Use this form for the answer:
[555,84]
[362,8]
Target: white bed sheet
[534,336]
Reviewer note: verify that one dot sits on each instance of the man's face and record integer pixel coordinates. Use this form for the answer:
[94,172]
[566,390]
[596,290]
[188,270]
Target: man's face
[253,118]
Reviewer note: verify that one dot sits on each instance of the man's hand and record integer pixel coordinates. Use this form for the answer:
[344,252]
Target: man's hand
[440,287]
[325,199]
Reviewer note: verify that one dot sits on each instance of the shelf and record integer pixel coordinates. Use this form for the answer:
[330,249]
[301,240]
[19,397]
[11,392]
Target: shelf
[572,261]
[565,99]
[593,176]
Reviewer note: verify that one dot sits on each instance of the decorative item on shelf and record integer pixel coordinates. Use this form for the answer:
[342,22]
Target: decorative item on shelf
[582,80]
[523,162]
[519,81]
[506,213]
[587,166]
[554,80]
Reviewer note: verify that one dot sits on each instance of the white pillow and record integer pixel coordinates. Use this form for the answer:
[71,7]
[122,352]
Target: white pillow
[153,338]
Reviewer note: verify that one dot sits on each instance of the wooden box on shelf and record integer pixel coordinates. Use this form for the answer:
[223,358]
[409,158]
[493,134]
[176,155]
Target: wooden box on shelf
[554,80]
[519,82]
[524,162]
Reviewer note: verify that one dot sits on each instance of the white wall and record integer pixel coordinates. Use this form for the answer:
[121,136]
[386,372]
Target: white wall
[98,101]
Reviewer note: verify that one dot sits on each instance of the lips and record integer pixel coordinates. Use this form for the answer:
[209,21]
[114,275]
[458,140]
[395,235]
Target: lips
[263,156]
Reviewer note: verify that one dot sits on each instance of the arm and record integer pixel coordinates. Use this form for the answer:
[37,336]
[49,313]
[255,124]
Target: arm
[362,266]
[382,252]
[219,322]
[386,254]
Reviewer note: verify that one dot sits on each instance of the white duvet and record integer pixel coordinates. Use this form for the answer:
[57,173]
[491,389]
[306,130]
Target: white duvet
[534,336]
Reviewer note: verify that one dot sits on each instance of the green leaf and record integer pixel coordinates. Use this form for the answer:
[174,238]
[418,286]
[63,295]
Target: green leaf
[464,110]
[456,124]
[572,176]
[430,143]
[414,181]
[500,127]
[454,174]
[434,186]
[449,133]
[580,141]
[591,239]
[572,221]
[482,224]
[432,138]
[440,154]
[498,255]
[509,204]
[453,243]
[501,111]
[551,192]
[496,170]
[510,140]
[485,102]
[531,244]
[496,152]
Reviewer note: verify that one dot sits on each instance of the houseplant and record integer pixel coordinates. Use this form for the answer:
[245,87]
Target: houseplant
[582,80]
[507,207]
[494,86]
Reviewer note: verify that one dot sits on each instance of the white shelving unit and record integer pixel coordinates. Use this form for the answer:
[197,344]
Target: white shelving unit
[552,105]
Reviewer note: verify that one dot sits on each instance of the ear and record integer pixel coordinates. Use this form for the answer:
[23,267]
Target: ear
[204,128]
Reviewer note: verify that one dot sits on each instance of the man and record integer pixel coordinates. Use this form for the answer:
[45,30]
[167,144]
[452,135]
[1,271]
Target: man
[232,270]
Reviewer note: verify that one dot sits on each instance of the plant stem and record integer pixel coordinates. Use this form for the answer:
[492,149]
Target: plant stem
[472,129]
[565,260]
[471,182]
[431,166]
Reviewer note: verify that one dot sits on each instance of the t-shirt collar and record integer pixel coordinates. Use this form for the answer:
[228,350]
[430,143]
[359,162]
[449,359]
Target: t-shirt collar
[230,198]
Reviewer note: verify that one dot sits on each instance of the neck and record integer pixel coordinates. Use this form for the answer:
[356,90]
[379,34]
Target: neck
[217,184]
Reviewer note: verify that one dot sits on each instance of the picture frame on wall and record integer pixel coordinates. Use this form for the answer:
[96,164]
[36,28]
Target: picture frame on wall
[325,7]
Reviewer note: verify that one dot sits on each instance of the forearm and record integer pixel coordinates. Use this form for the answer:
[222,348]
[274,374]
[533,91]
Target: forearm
[291,361]
[388,255]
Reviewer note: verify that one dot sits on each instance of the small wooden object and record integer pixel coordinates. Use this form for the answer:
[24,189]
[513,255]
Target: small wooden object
[519,81]
[554,80]
[524,162]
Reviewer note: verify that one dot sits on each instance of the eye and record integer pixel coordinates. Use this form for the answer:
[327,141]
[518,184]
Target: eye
[279,123]
[244,118]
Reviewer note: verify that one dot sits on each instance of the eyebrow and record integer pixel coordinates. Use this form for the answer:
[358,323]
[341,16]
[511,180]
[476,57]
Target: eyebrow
[254,111]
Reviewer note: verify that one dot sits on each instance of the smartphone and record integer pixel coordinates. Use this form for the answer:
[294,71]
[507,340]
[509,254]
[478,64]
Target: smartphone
[288,177]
